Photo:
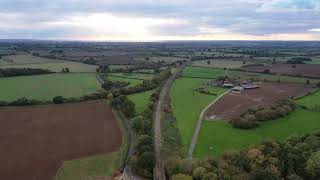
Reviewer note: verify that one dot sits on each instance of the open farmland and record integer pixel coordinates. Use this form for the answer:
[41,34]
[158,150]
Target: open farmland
[232,105]
[201,72]
[187,105]
[220,63]
[50,135]
[45,87]
[132,81]
[213,73]
[133,75]
[311,100]
[24,59]
[217,137]
[56,66]
[303,70]
[140,100]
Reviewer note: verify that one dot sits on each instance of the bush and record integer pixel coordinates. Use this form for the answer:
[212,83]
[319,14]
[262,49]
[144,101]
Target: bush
[58,100]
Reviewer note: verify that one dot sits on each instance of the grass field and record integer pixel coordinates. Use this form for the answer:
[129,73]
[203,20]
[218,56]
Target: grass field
[134,75]
[187,105]
[96,166]
[133,82]
[216,63]
[211,73]
[310,101]
[217,137]
[57,66]
[45,87]
[141,100]
[201,72]
[24,59]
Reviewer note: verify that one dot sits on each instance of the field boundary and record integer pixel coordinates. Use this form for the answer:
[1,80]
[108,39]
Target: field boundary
[199,123]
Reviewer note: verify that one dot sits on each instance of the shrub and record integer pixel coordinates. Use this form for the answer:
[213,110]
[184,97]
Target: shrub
[58,100]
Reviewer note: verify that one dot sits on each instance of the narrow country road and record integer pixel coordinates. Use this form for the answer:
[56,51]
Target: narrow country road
[198,127]
[159,173]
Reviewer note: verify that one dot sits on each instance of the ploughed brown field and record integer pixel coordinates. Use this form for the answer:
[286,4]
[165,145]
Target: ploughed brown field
[233,104]
[304,70]
[36,140]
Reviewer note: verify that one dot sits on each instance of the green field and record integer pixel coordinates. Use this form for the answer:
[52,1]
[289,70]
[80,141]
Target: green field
[24,59]
[217,137]
[211,73]
[216,63]
[141,100]
[97,166]
[133,82]
[310,101]
[45,87]
[134,75]
[200,72]
[187,105]
[57,66]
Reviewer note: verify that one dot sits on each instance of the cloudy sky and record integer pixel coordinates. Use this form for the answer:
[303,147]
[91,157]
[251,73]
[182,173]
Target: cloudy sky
[148,20]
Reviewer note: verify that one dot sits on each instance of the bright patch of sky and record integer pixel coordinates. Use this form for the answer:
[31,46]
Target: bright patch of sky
[147,20]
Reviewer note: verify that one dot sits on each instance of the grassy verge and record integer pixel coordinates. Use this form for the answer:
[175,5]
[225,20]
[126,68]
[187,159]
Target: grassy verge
[99,165]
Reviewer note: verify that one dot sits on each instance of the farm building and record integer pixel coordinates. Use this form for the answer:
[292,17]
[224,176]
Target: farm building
[237,89]
[249,86]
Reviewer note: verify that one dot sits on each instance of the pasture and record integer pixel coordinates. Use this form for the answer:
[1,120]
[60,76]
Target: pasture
[220,63]
[52,134]
[132,82]
[57,66]
[201,72]
[45,87]
[24,59]
[141,100]
[187,105]
[311,100]
[218,136]
[212,73]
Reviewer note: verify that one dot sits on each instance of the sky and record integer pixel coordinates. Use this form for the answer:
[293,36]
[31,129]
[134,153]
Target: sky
[160,20]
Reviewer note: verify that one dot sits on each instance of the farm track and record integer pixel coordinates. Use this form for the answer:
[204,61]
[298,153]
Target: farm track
[198,126]
[159,172]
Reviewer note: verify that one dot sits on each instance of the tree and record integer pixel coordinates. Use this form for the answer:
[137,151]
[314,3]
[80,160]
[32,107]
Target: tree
[313,165]
[146,161]
[210,176]
[58,100]
[199,172]
[67,70]
[128,108]
[147,58]
[208,62]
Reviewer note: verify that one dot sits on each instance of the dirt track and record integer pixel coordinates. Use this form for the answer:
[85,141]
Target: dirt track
[303,70]
[232,105]
[36,140]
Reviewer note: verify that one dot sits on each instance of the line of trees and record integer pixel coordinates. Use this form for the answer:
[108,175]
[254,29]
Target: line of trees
[10,72]
[23,101]
[143,160]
